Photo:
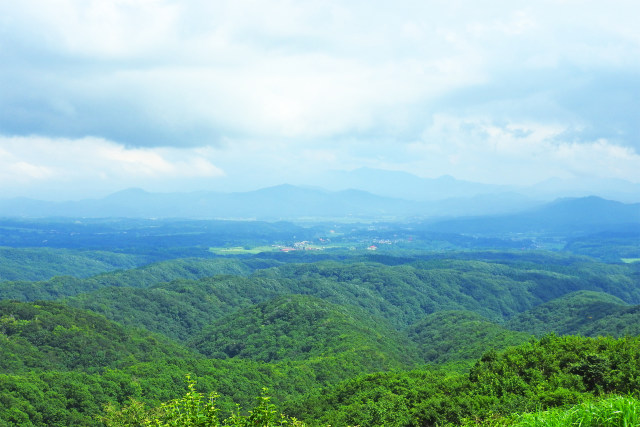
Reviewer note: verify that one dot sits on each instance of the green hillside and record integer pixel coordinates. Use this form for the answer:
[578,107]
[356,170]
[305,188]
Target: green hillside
[403,294]
[448,336]
[608,246]
[386,338]
[299,327]
[50,335]
[181,308]
[552,372]
[625,322]
[569,314]
[145,276]
[44,263]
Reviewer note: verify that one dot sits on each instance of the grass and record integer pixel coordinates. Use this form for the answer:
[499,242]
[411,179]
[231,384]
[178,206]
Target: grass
[630,260]
[612,411]
[239,250]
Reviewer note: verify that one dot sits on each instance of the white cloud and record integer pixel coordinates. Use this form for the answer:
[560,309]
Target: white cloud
[23,172]
[29,163]
[516,152]
[119,29]
[275,89]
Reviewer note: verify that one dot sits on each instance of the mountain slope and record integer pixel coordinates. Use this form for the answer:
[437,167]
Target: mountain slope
[587,214]
[625,322]
[552,372]
[498,287]
[496,290]
[181,308]
[568,314]
[407,186]
[44,263]
[51,335]
[300,327]
[145,276]
[460,335]
[273,203]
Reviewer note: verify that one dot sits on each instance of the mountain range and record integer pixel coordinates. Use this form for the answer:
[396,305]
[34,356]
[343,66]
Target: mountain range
[411,187]
[592,214]
[496,212]
[359,194]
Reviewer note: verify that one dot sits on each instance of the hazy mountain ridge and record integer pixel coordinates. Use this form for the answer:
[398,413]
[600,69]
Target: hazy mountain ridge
[273,203]
[288,202]
[411,187]
[408,186]
[592,214]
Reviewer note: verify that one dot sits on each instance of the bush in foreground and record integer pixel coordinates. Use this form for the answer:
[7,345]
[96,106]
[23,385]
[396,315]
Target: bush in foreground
[194,410]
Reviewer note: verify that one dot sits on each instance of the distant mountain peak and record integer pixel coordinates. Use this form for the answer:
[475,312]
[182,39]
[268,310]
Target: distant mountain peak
[130,192]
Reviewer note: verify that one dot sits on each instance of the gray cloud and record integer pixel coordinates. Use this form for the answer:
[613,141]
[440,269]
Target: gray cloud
[358,83]
[608,105]
[592,104]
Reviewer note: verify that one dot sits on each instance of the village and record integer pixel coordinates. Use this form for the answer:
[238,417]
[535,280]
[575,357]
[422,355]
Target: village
[323,243]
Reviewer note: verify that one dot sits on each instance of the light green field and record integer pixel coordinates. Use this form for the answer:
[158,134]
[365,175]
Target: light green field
[239,250]
[630,260]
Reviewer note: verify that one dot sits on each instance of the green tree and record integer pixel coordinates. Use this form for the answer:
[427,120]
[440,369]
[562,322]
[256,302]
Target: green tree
[194,410]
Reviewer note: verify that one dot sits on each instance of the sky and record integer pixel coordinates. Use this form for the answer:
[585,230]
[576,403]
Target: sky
[186,95]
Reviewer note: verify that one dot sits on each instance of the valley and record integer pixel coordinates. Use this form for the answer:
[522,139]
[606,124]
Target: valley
[439,325]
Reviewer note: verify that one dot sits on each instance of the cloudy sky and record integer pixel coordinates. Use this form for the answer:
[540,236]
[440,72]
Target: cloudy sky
[166,95]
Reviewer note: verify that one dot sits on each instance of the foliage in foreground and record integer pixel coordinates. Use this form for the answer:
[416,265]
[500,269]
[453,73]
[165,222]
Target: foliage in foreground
[538,375]
[194,410]
[613,411]
[62,364]
[552,372]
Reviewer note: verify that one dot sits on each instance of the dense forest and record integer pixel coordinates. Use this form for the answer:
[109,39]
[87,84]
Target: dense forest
[140,322]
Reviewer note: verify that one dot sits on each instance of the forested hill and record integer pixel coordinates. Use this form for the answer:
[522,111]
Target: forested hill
[362,324]
[45,263]
[552,372]
[568,313]
[145,276]
[403,293]
[584,312]
[298,327]
[447,336]
[53,336]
